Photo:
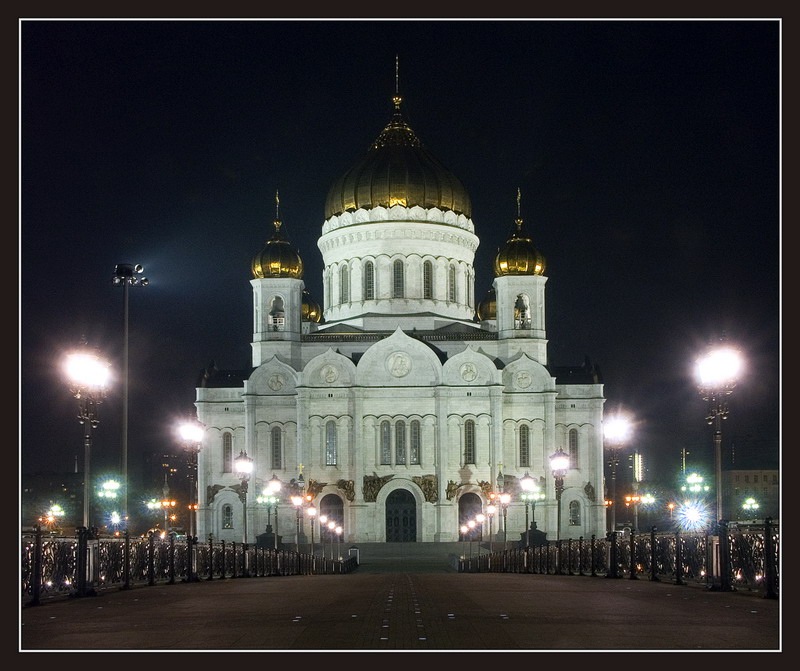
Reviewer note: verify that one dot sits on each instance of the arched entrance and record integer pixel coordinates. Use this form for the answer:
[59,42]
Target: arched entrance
[331,509]
[401,517]
[469,505]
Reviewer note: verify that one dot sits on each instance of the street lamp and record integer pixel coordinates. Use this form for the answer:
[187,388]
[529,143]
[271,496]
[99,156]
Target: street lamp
[191,433]
[633,500]
[717,372]
[88,375]
[270,497]
[505,499]
[311,511]
[480,518]
[491,511]
[331,532]
[339,531]
[559,464]
[530,495]
[750,505]
[243,465]
[616,431]
[125,275]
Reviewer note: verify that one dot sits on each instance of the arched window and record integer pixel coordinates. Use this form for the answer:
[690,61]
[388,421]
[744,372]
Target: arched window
[344,284]
[574,514]
[416,450]
[277,315]
[573,448]
[331,451]
[276,448]
[451,284]
[400,442]
[227,516]
[399,280]
[369,281]
[524,446]
[427,280]
[469,442]
[386,443]
[227,453]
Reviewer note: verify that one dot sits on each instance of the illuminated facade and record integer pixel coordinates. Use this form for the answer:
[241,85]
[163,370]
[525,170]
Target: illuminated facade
[402,399]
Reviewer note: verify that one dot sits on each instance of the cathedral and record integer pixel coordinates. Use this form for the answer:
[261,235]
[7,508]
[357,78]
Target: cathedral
[401,408]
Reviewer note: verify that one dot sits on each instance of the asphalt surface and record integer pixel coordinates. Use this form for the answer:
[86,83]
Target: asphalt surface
[404,599]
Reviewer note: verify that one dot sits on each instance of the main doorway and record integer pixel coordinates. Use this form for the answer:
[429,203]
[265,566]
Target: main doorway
[401,517]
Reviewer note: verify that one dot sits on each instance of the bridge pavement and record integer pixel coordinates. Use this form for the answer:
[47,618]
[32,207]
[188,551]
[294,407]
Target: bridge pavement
[407,599]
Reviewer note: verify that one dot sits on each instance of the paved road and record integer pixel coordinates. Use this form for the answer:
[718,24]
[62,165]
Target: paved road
[401,601]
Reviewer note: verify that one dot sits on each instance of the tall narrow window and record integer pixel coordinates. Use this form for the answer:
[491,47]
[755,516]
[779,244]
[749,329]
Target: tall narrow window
[331,450]
[399,280]
[451,284]
[344,284]
[276,448]
[415,451]
[574,514]
[573,448]
[427,280]
[469,442]
[328,287]
[386,443]
[524,446]
[400,442]
[227,516]
[369,281]
[227,453]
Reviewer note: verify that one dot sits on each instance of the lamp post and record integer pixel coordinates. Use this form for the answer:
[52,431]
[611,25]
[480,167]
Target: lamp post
[297,502]
[480,518]
[125,275]
[331,533]
[617,432]
[243,465]
[191,433]
[633,500]
[530,495]
[88,375]
[270,497]
[559,464]
[311,511]
[500,484]
[505,499]
[717,372]
[491,511]
[750,506]
[339,531]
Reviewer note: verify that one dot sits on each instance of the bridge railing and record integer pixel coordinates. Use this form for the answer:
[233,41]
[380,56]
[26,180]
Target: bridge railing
[87,563]
[734,558]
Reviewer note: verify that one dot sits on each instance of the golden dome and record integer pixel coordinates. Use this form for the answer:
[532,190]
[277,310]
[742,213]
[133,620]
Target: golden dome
[397,170]
[518,256]
[278,258]
[487,308]
[311,311]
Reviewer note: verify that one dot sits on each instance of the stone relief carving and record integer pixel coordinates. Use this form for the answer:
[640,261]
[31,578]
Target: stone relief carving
[486,487]
[373,484]
[211,493]
[451,489]
[589,489]
[314,487]
[348,487]
[429,485]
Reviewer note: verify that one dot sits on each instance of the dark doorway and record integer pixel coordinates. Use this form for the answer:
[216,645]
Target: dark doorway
[401,517]
[469,505]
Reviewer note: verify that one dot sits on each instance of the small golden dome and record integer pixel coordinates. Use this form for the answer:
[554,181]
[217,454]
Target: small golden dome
[311,311]
[518,256]
[487,308]
[278,258]
[397,170]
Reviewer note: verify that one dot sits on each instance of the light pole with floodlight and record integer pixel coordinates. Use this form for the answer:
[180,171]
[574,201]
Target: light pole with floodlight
[125,275]
[616,431]
[559,464]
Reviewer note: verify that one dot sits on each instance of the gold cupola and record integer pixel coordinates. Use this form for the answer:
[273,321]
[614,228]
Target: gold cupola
[277,258]
[518,256]
[311,310]
[487,308]
[397,170]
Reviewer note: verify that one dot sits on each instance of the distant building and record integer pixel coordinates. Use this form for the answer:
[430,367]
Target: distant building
[763,486]
[397,406]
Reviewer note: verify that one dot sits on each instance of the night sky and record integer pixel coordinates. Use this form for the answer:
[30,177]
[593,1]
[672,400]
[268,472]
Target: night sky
[646,153]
